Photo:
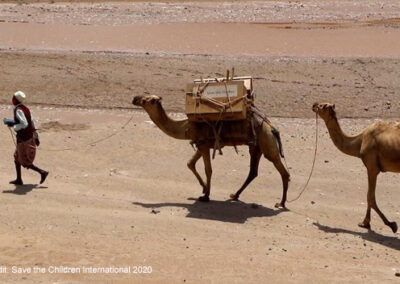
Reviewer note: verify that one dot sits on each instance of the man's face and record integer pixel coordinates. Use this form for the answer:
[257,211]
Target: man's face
[14,101]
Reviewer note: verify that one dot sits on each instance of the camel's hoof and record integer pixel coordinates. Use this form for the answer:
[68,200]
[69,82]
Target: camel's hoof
[365,225]
[280,205]
[393,225]
[204,198]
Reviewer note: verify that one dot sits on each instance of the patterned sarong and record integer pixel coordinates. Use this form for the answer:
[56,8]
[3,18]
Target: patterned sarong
[25,153]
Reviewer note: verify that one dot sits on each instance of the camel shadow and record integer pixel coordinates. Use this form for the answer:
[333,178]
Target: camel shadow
[23,189]
[224,211]
[371,236]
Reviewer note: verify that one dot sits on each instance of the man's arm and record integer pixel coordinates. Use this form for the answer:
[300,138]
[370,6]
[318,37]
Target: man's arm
[23,123]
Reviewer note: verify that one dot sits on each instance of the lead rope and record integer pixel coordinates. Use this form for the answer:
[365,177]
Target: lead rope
[93,143]
[12,136]
[312,167]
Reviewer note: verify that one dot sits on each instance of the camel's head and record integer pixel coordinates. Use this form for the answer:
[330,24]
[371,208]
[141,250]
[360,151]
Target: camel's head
[144,101]
[324,110]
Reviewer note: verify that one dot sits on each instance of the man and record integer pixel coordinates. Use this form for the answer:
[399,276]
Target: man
[27,138]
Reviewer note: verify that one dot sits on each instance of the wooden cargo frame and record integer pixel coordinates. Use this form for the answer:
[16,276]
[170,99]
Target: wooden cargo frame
[215,99]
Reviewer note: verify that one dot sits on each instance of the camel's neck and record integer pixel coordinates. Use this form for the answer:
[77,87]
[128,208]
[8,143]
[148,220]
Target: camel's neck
[349,145]
[174,128]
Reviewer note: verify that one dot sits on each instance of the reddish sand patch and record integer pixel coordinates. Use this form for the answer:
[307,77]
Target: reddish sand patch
[215,38]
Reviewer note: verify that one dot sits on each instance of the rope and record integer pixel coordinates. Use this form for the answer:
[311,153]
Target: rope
[12,136]
[313,163]
[227,96]
[220,105]
[215,103]
[93,143]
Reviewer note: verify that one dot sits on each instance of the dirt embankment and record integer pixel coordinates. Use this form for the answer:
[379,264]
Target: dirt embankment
[286,87]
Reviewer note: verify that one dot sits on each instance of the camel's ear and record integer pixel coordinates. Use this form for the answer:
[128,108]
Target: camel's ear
[332,110]
[154,100]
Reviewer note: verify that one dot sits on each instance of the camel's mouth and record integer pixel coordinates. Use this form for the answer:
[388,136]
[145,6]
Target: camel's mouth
[142,101]
[137,100]
[315,107]
[321,107]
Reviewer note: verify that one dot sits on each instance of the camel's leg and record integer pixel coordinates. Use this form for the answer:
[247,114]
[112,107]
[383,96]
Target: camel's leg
[285,181]
[205,152]
[192,166]
[255,155]
[372,176]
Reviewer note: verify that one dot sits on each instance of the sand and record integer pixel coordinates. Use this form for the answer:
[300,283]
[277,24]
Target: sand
[129,201]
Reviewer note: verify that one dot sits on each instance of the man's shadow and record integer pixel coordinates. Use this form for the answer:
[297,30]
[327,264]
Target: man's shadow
[224,211]
[391,242]
[23,189]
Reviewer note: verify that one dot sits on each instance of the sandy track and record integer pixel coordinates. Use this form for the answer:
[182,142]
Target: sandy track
[96,208]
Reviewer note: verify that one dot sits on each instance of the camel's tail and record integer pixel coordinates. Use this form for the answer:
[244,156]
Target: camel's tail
[278,140]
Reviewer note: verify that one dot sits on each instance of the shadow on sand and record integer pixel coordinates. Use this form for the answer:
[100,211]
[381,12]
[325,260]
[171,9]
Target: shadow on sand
[23,189]
[369,235]
[224,211]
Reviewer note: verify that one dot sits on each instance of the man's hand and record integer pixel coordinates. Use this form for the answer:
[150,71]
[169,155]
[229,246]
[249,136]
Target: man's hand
[9,122]
[36,138]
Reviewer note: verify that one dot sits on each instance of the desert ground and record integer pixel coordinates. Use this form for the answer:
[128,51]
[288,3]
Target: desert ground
[119,193]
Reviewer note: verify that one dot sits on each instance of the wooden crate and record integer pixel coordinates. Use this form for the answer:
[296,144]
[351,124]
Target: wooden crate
[216,99]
